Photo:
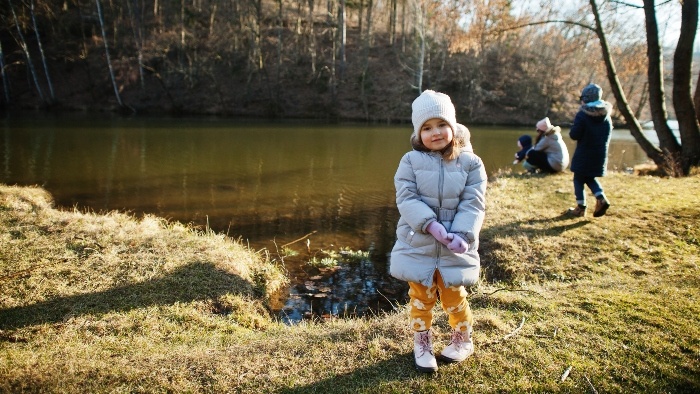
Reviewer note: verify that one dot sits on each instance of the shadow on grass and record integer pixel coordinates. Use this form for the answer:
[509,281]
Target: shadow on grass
[531,228]
[400,367]
[192,282]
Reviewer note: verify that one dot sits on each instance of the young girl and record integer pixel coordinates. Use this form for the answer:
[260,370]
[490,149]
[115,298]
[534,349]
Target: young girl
[440,193]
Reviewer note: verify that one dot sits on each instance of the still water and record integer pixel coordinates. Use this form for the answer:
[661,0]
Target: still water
[311,186]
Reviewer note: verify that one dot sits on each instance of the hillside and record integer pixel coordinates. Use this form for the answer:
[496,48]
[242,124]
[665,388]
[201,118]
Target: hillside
[230,60]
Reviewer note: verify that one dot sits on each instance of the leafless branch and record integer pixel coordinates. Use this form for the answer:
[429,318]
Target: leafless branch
[515,27]
[635,5]
[297,240]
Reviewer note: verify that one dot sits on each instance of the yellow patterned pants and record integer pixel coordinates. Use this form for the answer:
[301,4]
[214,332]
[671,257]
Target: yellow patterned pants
[453,300]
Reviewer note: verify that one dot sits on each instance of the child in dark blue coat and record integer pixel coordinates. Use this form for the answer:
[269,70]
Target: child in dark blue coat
[591,130]
[524,144]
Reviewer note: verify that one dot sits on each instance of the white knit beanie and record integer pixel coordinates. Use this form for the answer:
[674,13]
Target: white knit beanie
[431,104]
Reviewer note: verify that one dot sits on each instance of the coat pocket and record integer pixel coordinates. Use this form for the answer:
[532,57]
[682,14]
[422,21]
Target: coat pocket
[414,239]
[405,234]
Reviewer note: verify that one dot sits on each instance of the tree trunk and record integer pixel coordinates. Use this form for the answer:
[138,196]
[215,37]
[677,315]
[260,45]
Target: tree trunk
[5,85]
[403,26]
[696,98]
[27,55]
[652,151]
[682,100]
[41,52]
[109,61]
[280,44]
[421,53]
[312,38]
[370,6]
[392,23]
[342,27]
[655,73]
[359,16]
[136,27]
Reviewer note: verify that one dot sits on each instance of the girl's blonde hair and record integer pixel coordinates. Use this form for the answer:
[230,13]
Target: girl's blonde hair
[450,152]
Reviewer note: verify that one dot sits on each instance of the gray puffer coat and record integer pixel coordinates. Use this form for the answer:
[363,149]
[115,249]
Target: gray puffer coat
[553,145]
[428,188]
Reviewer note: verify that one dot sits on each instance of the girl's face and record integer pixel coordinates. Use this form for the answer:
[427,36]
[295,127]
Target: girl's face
[436,134]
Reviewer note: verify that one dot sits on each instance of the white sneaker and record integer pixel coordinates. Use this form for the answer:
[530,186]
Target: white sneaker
[459,348]
[423,352]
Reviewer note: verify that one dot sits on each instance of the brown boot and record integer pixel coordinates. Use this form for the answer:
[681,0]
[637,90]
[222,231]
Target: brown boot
[579,211]
[601,205]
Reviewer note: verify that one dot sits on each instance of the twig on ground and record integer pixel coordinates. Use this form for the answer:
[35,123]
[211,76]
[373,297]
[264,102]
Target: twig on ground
[27,271]
[590,385]
[554,334]
[512,333]
[566,373]
[510,289]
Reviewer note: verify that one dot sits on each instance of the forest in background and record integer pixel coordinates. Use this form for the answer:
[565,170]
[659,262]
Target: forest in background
[501,63]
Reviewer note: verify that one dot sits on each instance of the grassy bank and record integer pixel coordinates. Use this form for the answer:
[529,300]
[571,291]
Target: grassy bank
[109,303]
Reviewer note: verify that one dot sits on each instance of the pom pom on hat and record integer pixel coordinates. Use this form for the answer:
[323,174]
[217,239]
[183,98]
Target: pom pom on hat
[591,93]
[463,137]
[431,104]
[544,125]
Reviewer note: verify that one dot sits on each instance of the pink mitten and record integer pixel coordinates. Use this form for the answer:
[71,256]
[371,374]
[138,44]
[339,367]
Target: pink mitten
[457,245]
[438,231]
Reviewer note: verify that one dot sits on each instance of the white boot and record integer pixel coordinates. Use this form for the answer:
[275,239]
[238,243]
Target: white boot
[423,352]
[460,347]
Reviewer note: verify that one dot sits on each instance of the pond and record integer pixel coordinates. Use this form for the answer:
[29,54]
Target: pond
[303,187]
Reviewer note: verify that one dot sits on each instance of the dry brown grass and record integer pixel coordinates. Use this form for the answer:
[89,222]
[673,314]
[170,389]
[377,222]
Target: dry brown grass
[108,303]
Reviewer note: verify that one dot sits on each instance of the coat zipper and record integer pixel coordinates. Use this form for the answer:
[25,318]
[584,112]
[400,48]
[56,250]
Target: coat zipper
[441,180]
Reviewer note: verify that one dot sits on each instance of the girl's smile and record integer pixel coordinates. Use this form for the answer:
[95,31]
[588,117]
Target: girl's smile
[436,134]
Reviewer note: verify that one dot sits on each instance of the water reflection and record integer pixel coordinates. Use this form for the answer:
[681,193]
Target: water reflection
[267,184]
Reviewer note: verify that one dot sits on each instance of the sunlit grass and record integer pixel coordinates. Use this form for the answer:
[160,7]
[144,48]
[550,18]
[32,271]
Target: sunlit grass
[109,303]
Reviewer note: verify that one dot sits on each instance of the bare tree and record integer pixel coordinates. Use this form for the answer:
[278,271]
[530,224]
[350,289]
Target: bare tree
[25,49]
[312,37]
[392,22]
[109,61]
[655,75]
[420,13]
[682,100]
[135,15]
[667,155]
[342,39]
[41,51]
[623,106]
[5,84]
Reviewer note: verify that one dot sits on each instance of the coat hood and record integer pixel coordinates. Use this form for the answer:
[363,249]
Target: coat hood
[598,108]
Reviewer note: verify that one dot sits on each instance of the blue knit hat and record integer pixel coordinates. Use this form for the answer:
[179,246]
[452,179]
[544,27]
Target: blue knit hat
[591,93]
[525,141]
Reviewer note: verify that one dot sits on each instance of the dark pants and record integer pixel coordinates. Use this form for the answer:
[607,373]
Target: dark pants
[580,181]
[539,159]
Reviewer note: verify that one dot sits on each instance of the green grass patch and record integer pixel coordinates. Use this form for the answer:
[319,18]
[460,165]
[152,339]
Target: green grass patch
[110,303]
